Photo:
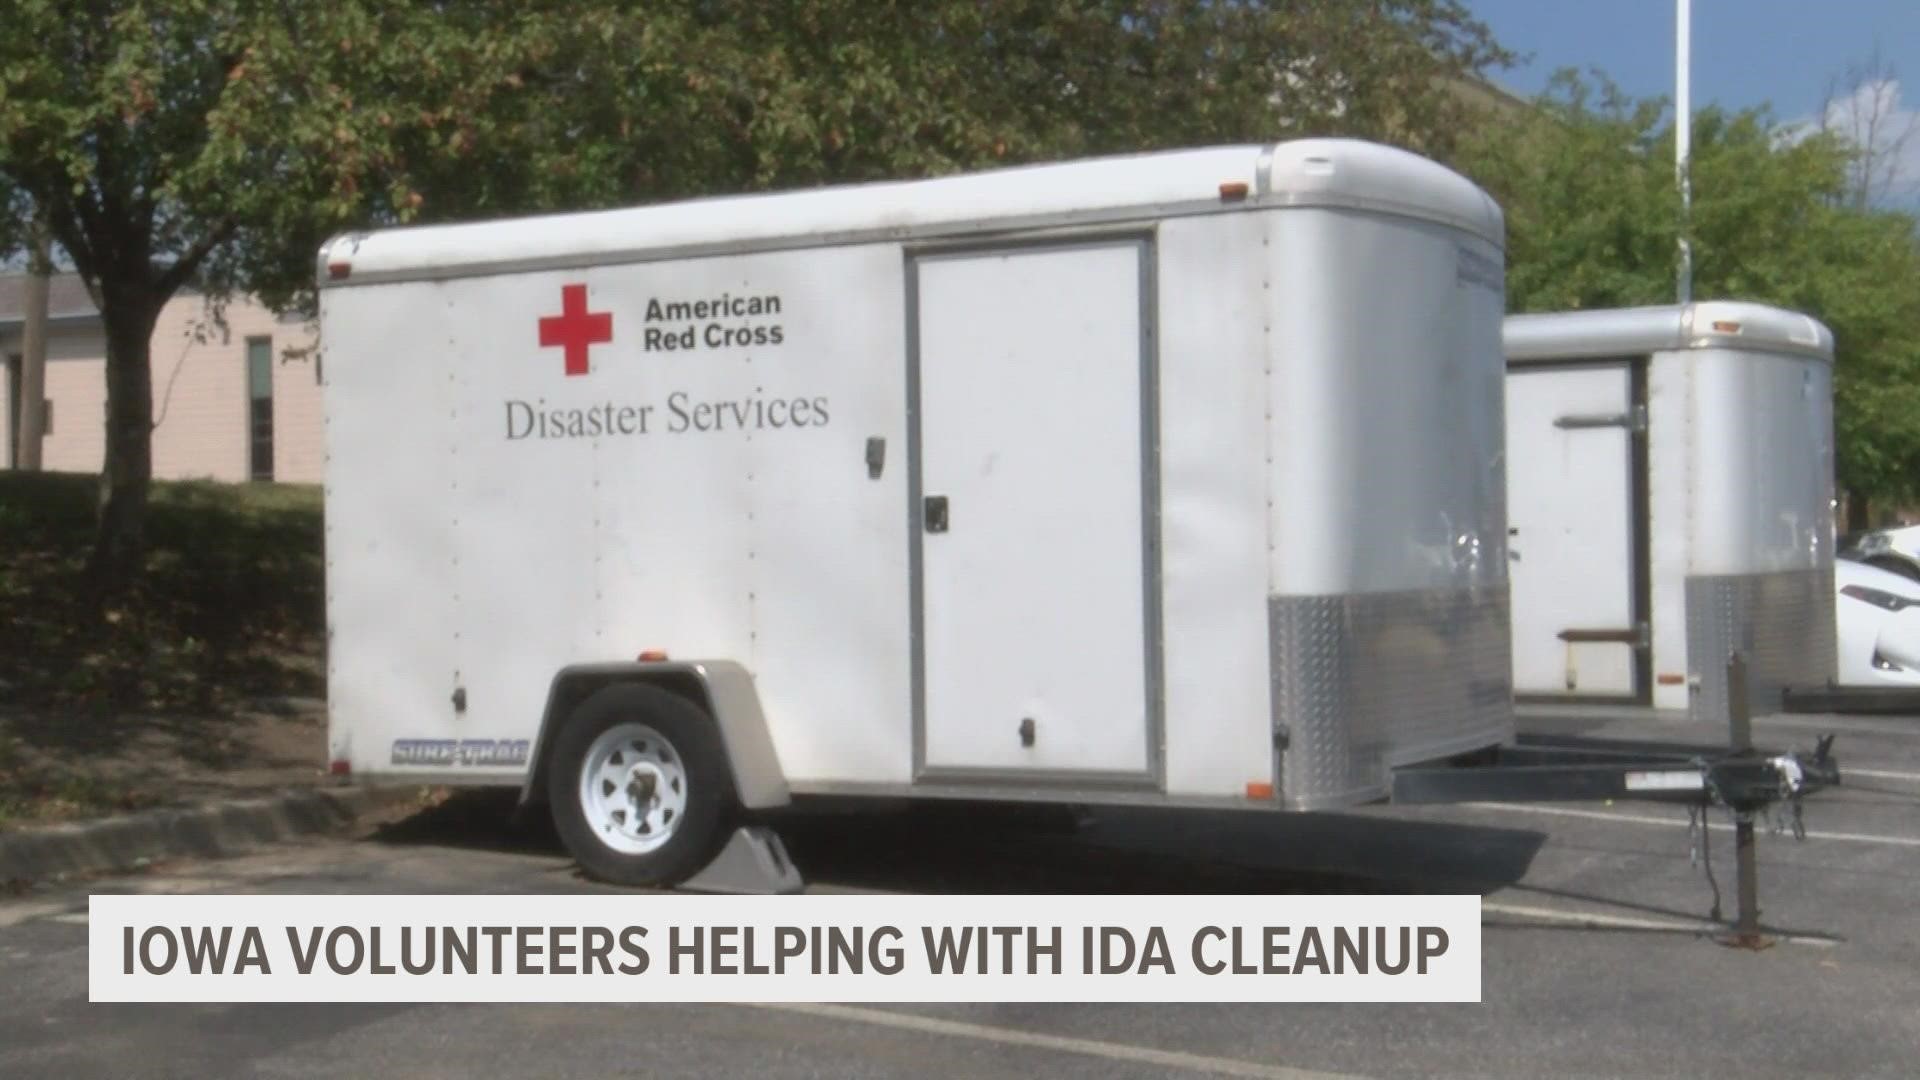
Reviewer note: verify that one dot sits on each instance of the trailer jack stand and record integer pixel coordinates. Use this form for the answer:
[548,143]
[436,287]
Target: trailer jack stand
[1795,777]
[1744,932]
[1746,924]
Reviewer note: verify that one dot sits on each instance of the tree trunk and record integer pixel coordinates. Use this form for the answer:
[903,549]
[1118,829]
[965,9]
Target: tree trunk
[119,545]
[1858,519]
[31,409]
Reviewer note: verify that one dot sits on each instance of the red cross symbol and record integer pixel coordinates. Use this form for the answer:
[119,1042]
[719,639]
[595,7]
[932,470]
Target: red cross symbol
[575,328]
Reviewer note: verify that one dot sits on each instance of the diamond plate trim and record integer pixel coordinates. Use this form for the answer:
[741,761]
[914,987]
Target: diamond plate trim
[1364,682]
[1783,622]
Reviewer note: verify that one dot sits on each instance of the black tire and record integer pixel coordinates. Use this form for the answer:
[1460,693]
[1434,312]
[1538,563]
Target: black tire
[693,737]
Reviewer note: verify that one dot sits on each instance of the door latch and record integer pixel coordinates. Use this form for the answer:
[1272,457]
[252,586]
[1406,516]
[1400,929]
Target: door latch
[936,513]
[1026,731]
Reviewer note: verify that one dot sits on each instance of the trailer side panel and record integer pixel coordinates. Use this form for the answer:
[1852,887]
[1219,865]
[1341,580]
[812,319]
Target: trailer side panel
[1760,577]
[1389,585]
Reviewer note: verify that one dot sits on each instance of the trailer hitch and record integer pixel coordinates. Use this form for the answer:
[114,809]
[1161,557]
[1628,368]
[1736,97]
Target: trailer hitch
[1748,783]
[1749,787]
[1806,777]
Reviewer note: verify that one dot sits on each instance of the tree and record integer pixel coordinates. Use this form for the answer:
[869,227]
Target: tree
[208,142]
[727,96]
[218,142]
[1587,182]
[1862,109]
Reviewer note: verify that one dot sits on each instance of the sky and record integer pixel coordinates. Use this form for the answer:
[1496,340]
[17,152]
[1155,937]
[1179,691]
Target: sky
[1782,53]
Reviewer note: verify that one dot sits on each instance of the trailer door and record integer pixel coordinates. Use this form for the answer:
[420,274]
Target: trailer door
[1575,502]
[1031,379]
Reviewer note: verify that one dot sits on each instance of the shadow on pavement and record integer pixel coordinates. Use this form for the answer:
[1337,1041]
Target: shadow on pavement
[480,819]
[957,847]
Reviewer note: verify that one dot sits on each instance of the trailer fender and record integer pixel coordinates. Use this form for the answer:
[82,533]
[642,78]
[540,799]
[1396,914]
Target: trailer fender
[722,688]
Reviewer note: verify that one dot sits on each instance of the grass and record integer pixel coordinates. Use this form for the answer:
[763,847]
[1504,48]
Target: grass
[229,610]
[231,603]
[31,791]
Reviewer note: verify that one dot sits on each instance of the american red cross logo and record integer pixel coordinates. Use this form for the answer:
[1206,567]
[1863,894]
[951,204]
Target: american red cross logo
[575,328]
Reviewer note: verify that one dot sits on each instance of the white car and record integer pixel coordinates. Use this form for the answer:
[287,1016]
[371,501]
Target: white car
[1877,623]
[1905,540]
[1897,550]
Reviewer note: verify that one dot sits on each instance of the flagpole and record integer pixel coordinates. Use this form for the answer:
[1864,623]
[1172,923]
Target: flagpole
[1683,139]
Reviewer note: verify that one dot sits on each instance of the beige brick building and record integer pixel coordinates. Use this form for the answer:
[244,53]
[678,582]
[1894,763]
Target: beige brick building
[236,395]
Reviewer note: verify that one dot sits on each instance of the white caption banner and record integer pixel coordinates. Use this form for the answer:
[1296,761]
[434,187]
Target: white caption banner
[683,948]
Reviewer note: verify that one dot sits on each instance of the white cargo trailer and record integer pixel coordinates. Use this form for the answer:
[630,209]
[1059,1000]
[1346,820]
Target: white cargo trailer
[1165,479]
[1670,494]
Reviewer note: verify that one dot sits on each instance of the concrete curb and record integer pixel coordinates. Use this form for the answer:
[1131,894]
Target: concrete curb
[208,831]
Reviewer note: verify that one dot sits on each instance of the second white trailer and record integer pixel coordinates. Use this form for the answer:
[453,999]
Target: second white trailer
[1670,492]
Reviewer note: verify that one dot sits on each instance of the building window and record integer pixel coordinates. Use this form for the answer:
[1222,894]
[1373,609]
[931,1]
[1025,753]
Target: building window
[260,408]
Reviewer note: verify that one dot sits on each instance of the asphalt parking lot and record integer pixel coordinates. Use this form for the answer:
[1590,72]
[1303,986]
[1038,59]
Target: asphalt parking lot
[1597,958]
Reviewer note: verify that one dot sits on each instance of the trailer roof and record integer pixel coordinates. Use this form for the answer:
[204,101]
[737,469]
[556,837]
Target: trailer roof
[1713,324]
[1306,173]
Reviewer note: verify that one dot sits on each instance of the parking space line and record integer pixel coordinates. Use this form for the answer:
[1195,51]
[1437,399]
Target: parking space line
[1118,1052]
[1880,774]
[1630,922]
[1641,819]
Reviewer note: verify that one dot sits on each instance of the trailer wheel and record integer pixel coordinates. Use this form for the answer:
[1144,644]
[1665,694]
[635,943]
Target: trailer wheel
[639,786]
